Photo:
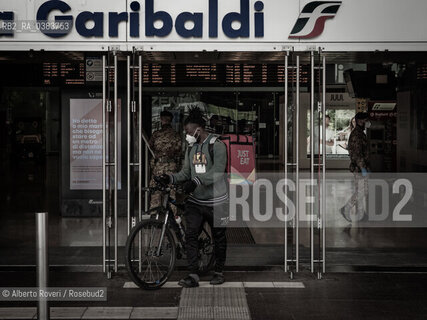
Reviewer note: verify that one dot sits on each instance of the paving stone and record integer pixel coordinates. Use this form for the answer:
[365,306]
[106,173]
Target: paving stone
[213,303]
[196,313]
[107,313]
[230,313]
[154,313]
[196,297]
[258,284]
[230,285]
[230,297]
[297,285]
[67,312]
[170,284]
[17,313]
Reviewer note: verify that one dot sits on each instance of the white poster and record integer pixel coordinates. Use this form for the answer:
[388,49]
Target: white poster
[86,144]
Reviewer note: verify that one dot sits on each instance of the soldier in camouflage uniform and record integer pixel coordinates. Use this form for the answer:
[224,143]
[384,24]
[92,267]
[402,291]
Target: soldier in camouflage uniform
[167,146]
[359,165]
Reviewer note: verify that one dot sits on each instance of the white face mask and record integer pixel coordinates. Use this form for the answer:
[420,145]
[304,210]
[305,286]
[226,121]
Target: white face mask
[367,124]
[191,139]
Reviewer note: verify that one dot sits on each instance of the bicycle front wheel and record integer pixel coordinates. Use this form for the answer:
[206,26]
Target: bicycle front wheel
[149,262]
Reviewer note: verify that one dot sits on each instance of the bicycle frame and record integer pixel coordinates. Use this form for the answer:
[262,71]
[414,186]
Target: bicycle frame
[165,223]
[165,207]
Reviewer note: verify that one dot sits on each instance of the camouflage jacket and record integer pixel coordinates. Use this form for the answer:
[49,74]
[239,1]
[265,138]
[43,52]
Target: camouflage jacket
[358,150]
[166,144]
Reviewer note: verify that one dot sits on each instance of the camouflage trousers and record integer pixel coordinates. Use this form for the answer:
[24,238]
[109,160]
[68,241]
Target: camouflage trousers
[158,169]
[359,197]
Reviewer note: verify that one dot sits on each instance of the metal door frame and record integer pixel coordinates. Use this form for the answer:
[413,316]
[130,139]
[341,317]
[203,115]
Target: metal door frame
[135,160]
[293,165]
[109,163]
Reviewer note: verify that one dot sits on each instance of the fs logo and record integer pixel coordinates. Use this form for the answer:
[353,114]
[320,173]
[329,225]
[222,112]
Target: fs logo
[311,20]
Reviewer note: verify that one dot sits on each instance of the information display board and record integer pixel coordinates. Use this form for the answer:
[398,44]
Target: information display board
[88,72]
[221,75]
[64,73]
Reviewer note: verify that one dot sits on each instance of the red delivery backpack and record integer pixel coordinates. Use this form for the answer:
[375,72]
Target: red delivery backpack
[240,157]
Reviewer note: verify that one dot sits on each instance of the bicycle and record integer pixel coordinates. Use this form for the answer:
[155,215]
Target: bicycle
[153,245]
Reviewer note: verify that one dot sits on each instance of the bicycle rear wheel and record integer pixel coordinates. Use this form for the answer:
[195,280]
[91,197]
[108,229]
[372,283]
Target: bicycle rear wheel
[147,268]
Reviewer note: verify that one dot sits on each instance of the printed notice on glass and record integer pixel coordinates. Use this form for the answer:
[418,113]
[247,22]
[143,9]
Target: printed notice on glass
[86,144]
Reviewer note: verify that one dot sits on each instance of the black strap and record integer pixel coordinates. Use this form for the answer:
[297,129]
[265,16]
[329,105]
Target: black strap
[211,152]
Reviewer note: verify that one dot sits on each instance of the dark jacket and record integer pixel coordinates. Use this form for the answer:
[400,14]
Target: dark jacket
[210,174]
[358,150]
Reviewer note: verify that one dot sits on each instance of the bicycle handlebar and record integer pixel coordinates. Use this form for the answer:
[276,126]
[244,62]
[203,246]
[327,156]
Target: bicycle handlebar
[167,189]
[158,180]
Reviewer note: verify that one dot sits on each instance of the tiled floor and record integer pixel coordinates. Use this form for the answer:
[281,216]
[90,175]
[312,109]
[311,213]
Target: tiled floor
[268,295]
[213,303]
[232,284]
[76,242]
[96,313]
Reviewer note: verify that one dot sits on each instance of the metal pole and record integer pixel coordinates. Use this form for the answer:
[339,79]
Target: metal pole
[312,160]
[116,163]
[319,167]
[297,168]
[274,121]
[146,169]
[140,161]
[42,262]
[140,140]
[324,165]
[146,176]
[236,113]
[104,105]
[128,143]
[285,137]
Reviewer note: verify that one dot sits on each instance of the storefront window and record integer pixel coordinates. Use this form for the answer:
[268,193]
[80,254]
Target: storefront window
[338,129]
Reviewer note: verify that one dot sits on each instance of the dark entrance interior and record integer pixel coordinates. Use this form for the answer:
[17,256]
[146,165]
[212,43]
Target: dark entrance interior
[31,131]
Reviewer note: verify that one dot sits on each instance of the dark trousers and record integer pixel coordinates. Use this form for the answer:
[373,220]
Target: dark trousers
[195,216]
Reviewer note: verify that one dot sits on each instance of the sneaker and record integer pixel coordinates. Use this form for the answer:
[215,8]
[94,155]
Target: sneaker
[218,278]
[345,214]
[189,282]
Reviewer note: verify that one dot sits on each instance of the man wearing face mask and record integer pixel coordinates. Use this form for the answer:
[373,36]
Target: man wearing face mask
[359,165]
[203,177]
